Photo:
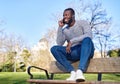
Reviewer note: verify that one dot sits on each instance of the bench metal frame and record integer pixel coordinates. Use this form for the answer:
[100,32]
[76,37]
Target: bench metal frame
[97,66]
[51,75]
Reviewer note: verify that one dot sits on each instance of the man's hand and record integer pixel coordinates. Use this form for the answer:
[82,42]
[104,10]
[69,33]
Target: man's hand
[68,50]
[60,23]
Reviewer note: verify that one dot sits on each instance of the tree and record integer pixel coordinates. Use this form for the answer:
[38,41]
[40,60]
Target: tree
[10,47]
[99,22]
[51,36]
[114,53]
[25,54]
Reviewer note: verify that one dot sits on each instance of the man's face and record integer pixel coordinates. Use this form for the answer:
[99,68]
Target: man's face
[67,16]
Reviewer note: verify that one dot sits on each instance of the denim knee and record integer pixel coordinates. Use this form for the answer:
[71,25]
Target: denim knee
[53,49]
[87,39]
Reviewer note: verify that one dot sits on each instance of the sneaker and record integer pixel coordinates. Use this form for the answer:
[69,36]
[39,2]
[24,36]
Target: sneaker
[72,76]
[79,76]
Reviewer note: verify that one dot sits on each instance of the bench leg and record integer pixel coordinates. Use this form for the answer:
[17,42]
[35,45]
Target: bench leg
[99,76]
[51,76]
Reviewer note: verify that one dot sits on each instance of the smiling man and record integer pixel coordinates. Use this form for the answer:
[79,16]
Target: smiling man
[78,35]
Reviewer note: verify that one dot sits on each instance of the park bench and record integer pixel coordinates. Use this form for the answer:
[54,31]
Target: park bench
[96,66]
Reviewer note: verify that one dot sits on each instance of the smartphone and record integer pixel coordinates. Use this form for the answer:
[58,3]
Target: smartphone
[64,21]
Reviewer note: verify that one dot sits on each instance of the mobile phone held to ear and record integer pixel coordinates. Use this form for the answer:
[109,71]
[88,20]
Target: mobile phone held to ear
[66,24]
[64,21]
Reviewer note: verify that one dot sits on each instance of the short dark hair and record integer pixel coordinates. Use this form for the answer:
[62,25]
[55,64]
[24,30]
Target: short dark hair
[70,9]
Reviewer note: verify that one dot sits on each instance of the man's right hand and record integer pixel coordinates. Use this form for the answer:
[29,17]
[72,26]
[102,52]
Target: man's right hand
[61,24]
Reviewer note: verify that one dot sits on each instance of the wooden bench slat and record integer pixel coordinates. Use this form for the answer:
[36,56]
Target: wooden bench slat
[97,65]
[51,81]
[68,82]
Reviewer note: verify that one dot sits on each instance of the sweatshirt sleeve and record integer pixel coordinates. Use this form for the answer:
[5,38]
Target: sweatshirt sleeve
[60,36]
[87,32]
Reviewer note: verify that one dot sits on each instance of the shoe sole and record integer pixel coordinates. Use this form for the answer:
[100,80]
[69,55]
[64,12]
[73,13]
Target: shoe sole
[80,80]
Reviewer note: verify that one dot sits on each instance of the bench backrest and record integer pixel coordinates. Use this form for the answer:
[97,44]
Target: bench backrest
[96,65]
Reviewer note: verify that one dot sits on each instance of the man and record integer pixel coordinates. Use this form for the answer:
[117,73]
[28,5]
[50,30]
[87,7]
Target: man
[78,35]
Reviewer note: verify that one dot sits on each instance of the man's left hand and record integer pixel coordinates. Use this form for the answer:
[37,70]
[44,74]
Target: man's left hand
[68,50]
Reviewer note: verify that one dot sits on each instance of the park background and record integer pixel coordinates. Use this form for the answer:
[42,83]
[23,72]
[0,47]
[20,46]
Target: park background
[28,30]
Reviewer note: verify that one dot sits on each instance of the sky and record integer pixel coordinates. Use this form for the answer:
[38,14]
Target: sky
[32,18]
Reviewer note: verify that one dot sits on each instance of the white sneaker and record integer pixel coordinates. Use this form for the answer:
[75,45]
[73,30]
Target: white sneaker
[79,76]
[72,76]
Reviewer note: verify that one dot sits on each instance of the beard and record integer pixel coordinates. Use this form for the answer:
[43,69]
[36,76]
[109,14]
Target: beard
[67,21]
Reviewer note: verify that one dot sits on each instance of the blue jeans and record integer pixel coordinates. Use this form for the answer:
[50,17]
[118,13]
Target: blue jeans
[82,52]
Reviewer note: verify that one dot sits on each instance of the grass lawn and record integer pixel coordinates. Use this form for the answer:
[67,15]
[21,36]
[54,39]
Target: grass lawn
[21,77]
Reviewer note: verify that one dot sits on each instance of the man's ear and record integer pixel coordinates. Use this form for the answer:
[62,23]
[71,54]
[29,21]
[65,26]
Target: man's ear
[73,16]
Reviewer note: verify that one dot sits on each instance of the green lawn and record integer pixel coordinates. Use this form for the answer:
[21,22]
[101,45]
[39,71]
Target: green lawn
[21,77]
